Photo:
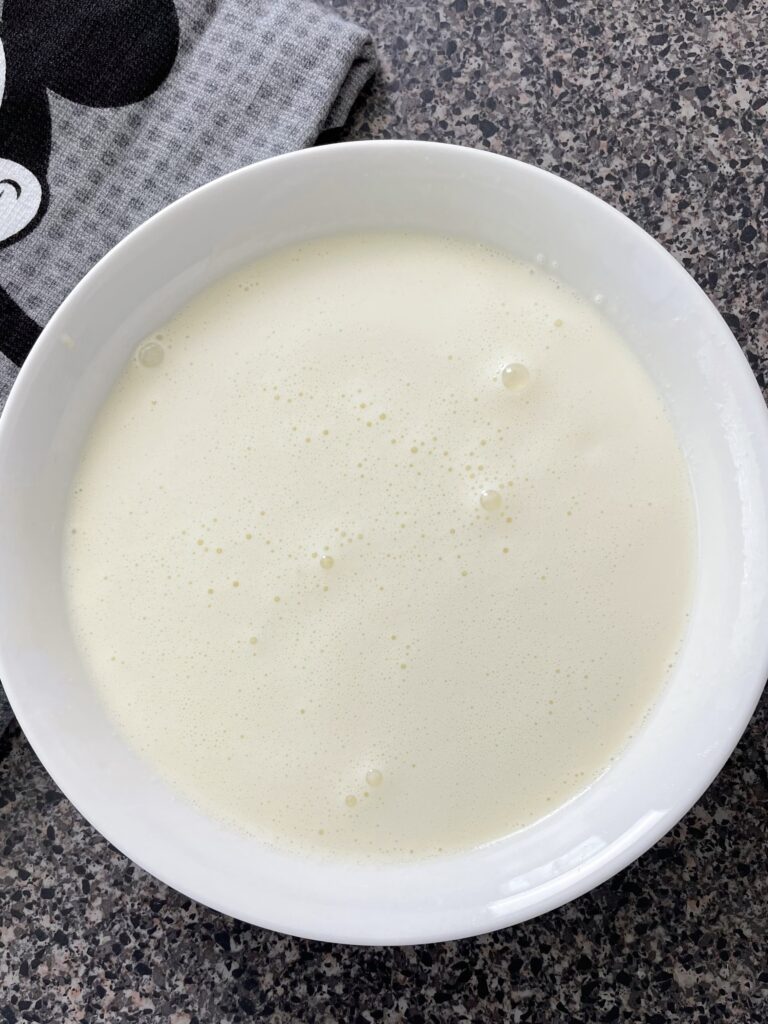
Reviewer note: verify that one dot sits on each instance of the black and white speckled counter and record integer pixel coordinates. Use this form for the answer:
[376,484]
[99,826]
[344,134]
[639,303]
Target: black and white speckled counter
[659,108]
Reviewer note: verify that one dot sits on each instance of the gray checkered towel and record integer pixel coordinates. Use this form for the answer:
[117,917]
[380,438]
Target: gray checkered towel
[110,109]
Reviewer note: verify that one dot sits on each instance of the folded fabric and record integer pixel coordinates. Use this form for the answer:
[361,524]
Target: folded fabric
[111,110]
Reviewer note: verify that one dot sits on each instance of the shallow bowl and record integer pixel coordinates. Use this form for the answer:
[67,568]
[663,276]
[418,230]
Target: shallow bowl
[718,413]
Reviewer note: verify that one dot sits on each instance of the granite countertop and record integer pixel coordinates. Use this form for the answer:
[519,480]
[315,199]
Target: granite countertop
[660,108]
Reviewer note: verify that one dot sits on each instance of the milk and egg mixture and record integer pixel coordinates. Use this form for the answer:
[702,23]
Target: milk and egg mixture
[382,547]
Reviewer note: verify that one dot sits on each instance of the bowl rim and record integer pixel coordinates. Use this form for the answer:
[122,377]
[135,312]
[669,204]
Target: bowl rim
[592,873]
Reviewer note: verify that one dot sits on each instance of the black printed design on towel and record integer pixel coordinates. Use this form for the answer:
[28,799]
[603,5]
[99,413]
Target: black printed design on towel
[101,53]
[18,332]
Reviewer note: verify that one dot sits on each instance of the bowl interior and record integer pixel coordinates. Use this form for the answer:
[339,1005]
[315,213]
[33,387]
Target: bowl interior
[720,419]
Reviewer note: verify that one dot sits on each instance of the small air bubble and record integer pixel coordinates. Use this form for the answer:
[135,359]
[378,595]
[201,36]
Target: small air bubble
[515,376]
[490,500]
[150,354]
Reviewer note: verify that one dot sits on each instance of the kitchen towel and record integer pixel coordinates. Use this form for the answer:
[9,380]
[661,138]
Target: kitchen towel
[111,109]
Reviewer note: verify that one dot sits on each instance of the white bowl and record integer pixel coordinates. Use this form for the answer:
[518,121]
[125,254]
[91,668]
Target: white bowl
[723,428]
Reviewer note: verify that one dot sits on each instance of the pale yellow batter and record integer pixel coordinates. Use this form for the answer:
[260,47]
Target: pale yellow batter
[382,547]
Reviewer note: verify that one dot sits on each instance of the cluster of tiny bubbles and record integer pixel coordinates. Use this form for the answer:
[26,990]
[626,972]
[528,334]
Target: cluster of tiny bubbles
[373,778]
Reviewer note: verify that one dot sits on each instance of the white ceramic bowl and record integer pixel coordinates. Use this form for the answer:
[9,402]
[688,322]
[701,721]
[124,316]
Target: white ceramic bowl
[722,425]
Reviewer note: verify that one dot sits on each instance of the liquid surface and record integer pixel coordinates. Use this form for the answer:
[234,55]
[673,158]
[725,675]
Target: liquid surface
[381,548]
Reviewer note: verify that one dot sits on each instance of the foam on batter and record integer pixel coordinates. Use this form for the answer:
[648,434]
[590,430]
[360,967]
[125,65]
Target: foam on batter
[382,547]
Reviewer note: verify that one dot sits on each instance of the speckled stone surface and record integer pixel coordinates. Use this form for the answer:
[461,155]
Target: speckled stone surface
[660,108]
